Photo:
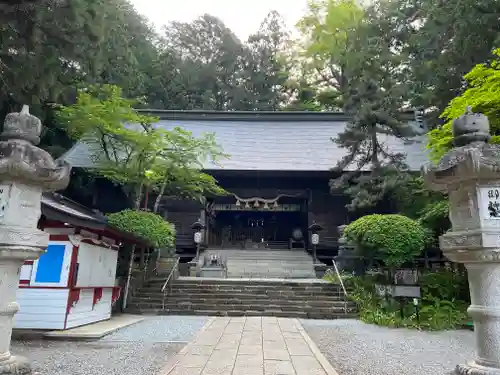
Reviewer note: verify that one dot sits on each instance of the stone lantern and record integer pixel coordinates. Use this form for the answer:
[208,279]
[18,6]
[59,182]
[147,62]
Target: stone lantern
[470,175]
[25,172]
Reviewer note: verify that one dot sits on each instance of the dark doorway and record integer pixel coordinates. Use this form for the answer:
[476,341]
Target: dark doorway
[255,228]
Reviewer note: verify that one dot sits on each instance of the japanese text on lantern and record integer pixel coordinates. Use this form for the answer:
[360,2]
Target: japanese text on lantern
[490,202]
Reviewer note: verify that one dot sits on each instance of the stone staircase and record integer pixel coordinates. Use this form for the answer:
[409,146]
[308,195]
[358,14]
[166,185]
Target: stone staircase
[267,263]
[312,299]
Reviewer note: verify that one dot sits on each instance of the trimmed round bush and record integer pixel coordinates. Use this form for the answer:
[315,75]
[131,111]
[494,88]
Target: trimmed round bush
[146,225]
[395,239]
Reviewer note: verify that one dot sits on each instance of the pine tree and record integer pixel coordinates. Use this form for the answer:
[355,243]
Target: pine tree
[370,170]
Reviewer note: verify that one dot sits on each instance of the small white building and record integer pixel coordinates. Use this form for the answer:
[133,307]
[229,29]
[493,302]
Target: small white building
[73,282]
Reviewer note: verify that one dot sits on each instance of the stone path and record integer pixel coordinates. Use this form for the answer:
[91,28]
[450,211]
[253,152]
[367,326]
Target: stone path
[250,346]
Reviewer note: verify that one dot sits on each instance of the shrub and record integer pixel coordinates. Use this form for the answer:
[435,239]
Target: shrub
[437,311]
[435,217]
[445,284]
[395,239]
[146,225]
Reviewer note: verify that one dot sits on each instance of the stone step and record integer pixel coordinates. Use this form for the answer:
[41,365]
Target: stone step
[256,291]
[255,265]
[287,314]
[213,307]
[263,260]
[202,306]
[261,275]
[251,289]
[335,301]
[279,256]
[269,291]
[277,270]
[222,297]
[269,283]
[261,252]
[242,294]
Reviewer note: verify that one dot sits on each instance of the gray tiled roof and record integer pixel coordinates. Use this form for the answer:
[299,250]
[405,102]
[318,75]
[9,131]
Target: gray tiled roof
[272,145]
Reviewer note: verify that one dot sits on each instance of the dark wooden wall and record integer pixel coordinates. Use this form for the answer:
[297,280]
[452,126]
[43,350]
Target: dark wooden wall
[182,213]
[323,208]
[329,211]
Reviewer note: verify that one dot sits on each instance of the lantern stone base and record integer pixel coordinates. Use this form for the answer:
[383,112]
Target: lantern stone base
[213,272]
[320,269]
[473,368]
[15,365]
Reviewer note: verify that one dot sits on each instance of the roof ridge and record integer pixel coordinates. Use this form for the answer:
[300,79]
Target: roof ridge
[275,116]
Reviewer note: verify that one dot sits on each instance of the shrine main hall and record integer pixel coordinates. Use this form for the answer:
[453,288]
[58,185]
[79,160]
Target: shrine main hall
[277,175]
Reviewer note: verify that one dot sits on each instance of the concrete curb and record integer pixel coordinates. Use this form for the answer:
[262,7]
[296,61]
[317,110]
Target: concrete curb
[315,350]
[94,331]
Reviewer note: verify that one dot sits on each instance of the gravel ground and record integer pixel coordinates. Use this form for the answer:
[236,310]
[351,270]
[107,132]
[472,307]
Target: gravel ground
[140,349]
[356,348]
[161,329]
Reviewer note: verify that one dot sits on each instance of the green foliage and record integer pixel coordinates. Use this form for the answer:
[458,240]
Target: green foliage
[370,171]
[429,208]
[435,217]
[482,94]
[128,149]
[443,304]
[395,239]
[146,225]
[439,41]
[101,110]
[101,117]
[444,284]
[328,30]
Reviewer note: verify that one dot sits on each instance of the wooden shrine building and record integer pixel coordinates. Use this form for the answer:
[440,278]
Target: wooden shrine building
[277,174]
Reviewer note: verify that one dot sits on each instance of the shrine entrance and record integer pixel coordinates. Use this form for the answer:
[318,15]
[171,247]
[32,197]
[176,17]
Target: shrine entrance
[244,226]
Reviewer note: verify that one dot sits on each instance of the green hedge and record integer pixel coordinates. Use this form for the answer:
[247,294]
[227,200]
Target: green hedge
[146,225]
[395,239]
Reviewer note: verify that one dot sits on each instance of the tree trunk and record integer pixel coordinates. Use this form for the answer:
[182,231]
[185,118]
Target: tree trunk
[138,197]
[160,195]
[375,161]
[146,199]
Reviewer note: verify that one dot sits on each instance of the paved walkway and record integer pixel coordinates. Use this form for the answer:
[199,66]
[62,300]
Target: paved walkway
[250,346]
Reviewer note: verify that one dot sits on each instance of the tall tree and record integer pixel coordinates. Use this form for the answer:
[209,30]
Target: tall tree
[329,32]
[130,48]
[443,40]
[265,70]
[47,49]
[212,57]
[48,52]
[374,100]
[369,171]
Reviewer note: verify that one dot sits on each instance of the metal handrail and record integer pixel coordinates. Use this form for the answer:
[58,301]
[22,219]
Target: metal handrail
[341,284]
[174,269]
[146,272]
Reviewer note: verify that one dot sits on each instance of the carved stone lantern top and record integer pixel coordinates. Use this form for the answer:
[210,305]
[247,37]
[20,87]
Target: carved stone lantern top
[22,161]
[22,125]
[472,158]
[341,230]
[470,127]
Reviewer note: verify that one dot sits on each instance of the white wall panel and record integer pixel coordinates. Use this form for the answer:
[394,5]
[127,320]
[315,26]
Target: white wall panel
[41,308]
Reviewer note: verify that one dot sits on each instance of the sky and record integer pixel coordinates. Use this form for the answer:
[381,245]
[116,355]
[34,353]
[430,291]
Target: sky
[242,17]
